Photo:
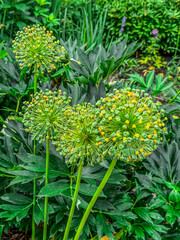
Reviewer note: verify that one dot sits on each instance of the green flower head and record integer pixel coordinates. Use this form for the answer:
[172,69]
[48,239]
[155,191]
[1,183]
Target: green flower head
[44,113]
[78,139]
[36,46]
[130,124]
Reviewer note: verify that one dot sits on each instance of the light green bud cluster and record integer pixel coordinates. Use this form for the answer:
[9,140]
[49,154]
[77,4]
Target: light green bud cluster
[78,140]
[36,46]
[45,113]
[130,124]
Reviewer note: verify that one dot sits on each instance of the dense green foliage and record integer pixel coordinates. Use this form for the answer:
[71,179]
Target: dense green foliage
[92,61]
[142,17]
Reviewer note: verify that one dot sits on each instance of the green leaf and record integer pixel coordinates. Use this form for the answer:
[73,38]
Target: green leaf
[16,198]
[149,79]
[1,230]
[143,213]
[174,196]
[139,231]
[150,230]
[103,228]
[54,189]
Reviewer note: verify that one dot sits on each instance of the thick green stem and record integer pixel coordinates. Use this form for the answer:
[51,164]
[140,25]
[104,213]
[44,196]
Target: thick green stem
[35,78]
[46,182]
[34,204]
[74,202]
[94,198]
[174,97]
[34,182]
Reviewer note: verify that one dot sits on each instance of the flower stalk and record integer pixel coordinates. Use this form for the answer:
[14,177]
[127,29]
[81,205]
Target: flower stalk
[46,182]
[74,201]
[94,198]
[34,204]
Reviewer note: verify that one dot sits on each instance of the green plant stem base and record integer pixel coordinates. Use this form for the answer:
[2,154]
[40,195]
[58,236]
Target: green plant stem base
[34,204]
[94,198]
[46,182]
[34,181]
[74,201]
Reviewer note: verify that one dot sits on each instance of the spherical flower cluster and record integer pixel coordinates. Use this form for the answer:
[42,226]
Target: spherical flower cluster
[78,140]
[36,46]
[130,124]
[43,114]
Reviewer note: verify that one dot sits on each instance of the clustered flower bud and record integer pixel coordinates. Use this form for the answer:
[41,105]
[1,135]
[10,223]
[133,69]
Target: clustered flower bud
[44,113]
[130,124]
[36,46]
[78,139]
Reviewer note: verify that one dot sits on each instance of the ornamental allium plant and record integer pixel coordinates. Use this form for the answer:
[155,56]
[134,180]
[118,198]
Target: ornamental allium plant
[38,48]
[79,143]
[131,125]
[42,117]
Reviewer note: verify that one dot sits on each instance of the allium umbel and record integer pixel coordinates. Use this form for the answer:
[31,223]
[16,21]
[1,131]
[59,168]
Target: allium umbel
[130,124]
[36,46]
[44,113]
[78,139]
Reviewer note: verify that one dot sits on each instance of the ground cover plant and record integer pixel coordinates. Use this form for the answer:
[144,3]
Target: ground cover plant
[89,120]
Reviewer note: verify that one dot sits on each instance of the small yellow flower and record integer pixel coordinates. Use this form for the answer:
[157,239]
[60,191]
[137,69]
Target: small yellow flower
[102,133]
[110,118]
[114,105]
[149,136]
[127,121]
[136,152]
[124,138]
[118,135]
[100,129]
[136,135]
[133,126]
[155,140]
[112,110]
[141,139]
[151,68]
[140,121]
[114,139]
[118,154]
[107,139]
[101,108]
[140,110]
[164,129]
[162,74]
[170,77]
[141,150]
[101,114]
